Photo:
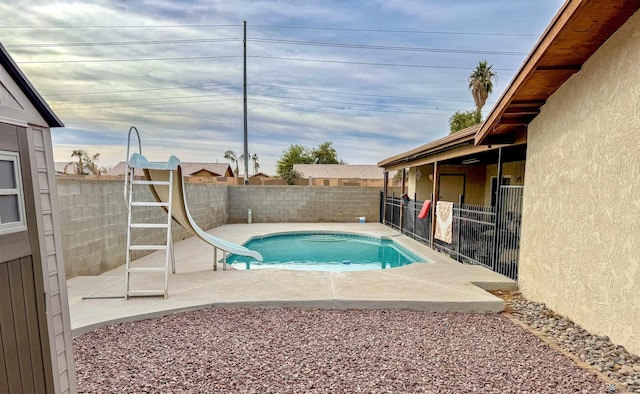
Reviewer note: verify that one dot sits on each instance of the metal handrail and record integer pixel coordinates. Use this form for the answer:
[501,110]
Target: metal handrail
[127,168]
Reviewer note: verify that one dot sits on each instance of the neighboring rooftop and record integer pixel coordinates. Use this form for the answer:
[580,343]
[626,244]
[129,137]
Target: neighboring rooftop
[340,171]
[189,168]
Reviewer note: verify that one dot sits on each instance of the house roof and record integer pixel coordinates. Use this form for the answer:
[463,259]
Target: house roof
[261,174]
[575,33]
[188,168]
[219,169]
[464,137]
[34,97]
[337,171]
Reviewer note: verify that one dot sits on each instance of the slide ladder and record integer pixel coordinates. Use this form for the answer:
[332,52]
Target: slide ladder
[130,183]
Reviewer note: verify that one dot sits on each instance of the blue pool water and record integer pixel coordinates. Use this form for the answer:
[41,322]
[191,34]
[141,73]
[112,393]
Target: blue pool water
[324,252]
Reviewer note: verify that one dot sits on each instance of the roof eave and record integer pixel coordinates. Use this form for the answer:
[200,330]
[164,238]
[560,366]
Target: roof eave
[32,94]
[450,141]
[534,57]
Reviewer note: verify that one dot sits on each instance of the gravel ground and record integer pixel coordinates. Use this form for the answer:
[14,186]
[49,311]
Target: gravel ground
[324,351]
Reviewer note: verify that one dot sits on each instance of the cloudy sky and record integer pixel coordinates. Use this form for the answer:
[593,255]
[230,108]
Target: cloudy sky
[374,77]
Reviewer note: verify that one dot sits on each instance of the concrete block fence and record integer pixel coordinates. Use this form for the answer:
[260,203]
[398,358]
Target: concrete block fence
[277,204]
[93,214]
[93,218]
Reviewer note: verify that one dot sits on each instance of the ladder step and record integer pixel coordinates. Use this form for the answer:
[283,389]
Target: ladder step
[148,247]
[146,269]
[145,293]
[159,183]
[149,225]
[149,204]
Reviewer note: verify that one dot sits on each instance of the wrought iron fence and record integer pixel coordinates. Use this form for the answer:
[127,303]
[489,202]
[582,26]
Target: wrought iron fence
[481,235]
[412,225]
[472,235]
[392,211]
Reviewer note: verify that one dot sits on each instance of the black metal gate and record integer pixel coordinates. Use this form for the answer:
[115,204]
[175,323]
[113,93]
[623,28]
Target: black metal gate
[481,235]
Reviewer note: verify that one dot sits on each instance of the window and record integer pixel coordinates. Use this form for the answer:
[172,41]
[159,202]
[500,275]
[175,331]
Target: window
[11,195]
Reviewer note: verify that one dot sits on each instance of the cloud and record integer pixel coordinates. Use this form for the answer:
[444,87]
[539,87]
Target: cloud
[190,103]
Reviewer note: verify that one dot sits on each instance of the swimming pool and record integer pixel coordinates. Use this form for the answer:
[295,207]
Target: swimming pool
[324,252]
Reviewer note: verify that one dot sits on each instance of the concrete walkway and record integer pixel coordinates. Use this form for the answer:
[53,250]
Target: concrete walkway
[439,285]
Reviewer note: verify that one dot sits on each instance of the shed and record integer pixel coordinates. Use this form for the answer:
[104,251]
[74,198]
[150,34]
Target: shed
[35,332]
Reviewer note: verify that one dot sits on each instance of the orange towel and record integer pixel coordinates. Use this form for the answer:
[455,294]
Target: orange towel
[425,209]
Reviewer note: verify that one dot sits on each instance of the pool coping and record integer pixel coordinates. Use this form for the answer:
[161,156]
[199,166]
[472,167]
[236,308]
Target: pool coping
[442,285]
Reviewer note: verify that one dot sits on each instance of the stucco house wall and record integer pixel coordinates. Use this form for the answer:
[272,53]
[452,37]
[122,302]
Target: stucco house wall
[580,234]
[475,179]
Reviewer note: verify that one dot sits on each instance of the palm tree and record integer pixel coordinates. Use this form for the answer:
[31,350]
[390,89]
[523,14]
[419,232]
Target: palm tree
[78,167]
[233,158]
[256,166]
[85,165]
[91,163]
[481,83]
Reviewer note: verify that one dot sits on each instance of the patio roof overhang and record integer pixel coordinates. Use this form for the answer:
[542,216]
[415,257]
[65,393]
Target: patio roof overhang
[454,148]
[576,32]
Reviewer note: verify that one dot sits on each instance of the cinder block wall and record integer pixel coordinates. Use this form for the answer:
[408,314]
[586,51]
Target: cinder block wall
[93,214]
[93,217]
[274,204]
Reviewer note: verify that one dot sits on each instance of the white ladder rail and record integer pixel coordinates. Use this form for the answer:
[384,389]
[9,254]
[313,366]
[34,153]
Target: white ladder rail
[130,181]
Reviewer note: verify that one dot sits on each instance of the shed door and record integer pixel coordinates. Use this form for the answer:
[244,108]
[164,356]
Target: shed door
[22,365]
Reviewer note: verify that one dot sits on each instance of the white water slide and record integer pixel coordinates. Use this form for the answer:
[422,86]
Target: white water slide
[167,185]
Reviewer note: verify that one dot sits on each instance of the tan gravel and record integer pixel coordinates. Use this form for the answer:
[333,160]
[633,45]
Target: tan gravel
[324,351]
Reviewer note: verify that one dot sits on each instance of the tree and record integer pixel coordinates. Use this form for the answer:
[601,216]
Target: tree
[461,120]
[86,165]
[290,175]
[481,84]
[397,178]
[299,154]
[295,154]
[325,154]
[231,156]
[256,166]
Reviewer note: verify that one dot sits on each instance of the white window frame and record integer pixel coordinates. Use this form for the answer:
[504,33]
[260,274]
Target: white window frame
[21,225]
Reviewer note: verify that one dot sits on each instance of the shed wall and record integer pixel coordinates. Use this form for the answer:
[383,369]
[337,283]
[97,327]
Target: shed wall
[580,238]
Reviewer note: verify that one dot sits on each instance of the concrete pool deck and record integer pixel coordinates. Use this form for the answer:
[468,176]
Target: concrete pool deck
[441,286]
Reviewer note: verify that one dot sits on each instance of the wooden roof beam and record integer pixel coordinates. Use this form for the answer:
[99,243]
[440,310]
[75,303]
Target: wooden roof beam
[565,67]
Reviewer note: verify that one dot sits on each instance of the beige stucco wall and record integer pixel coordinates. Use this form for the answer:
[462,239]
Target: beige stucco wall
[474,186]
[580,245]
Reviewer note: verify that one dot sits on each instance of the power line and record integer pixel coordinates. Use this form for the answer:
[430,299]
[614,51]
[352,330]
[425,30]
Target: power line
[372,64]
[137,90]
[436,32]
[114,43]
[269,40]
[348,108]
[147,99]
[354,104]
[257,84]
[396,31]
[111,26]
[255,57]
[128,60]
[145,105]
[366,95]
[386,47]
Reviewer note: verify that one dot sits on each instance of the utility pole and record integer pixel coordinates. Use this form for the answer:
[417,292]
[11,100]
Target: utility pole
[246,139]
